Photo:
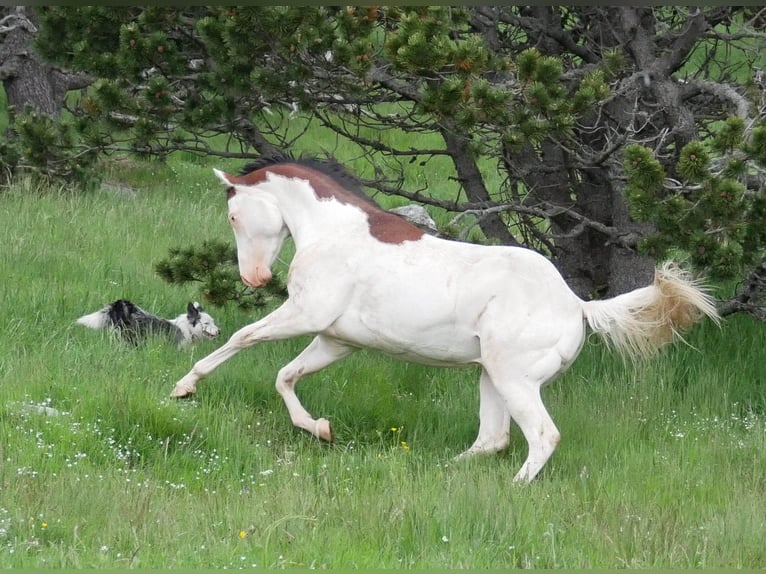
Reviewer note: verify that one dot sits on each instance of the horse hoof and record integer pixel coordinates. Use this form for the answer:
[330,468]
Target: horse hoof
[181,393]
[466,455]
[323,430]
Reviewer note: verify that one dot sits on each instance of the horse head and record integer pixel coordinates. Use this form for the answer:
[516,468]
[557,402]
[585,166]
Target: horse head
[259,229]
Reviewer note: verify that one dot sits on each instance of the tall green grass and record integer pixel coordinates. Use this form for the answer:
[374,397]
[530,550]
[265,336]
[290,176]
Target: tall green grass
[661,465]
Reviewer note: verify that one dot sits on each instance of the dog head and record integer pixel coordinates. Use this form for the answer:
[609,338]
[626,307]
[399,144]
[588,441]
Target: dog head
[201,325]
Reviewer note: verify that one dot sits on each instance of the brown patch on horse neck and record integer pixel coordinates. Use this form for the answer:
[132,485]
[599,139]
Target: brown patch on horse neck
[384,226]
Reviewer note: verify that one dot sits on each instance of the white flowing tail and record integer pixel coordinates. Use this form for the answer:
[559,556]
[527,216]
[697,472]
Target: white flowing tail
[640,322]
[97,320]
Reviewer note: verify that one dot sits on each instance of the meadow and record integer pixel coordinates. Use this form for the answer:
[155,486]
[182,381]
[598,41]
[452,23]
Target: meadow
[661,465]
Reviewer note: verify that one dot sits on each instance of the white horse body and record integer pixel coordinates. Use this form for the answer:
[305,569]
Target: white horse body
[450,289]
[436,319]
[424,299]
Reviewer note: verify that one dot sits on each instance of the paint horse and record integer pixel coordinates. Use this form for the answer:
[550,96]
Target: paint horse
[362,277]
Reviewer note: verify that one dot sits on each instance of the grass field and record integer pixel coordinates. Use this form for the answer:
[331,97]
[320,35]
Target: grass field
[663,465]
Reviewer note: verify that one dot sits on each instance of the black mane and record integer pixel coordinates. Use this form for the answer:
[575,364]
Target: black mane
[328,166]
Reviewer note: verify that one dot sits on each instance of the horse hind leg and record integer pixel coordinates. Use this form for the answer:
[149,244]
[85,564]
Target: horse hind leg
[320,353]
[521,393]
[494,420]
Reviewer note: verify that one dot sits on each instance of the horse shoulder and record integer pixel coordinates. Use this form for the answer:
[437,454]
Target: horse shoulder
[318,282]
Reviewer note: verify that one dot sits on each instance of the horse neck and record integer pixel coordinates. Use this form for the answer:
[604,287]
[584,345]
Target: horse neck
[310,219]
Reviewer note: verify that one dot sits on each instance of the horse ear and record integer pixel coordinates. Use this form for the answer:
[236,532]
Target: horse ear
[223,176]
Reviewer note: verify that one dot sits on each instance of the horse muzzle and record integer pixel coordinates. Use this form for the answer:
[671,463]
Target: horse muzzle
[260,278]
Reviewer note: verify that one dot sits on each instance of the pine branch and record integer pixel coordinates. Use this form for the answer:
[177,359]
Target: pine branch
[751,296]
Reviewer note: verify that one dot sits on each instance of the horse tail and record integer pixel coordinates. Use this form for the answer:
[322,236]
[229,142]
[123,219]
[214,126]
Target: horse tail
[98,320]
[642,321]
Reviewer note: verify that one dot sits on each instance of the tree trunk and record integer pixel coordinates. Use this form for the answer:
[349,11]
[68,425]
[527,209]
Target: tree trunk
[471,179]
[28,80]
[627,269]
[592,263]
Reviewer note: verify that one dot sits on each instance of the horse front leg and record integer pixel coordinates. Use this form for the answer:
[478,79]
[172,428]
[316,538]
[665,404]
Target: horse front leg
[322,351]
[285,322]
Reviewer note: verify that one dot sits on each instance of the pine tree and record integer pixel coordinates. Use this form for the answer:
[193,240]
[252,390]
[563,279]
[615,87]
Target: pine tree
[619,134]
[709,213]
[214,265]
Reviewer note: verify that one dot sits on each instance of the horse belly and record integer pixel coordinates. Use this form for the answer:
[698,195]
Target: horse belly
[436,344]
[427,301]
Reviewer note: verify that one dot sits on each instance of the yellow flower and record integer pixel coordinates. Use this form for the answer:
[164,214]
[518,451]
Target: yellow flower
[394,429]
[404,444]
[44,525]
[243,534]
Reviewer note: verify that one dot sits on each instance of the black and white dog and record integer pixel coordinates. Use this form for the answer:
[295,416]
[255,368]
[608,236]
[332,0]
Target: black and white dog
[134,324]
